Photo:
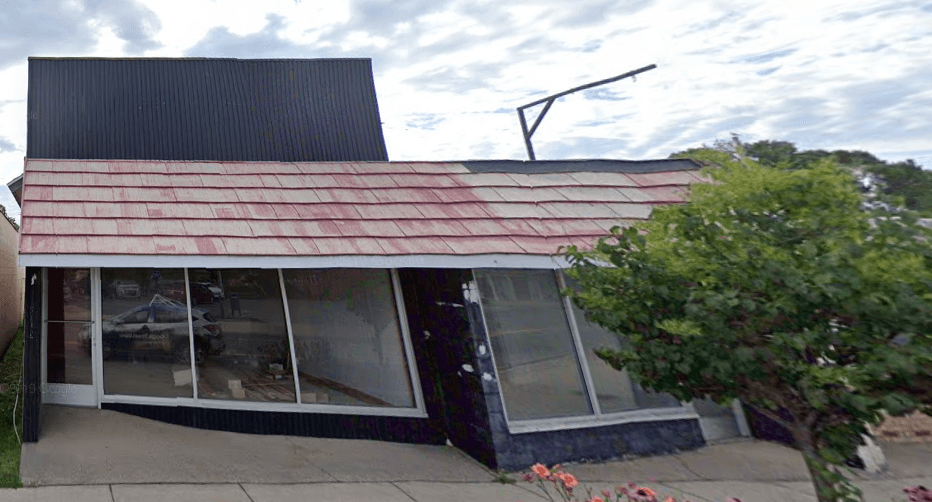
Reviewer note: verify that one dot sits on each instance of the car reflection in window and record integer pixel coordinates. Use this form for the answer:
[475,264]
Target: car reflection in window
[161,328]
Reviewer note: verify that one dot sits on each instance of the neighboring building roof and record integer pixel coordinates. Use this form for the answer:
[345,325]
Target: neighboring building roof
[293,110]
[178,211]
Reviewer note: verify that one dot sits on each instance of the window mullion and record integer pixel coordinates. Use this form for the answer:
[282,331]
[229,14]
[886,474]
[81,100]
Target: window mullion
[294,360]
[580,350]
[187,295]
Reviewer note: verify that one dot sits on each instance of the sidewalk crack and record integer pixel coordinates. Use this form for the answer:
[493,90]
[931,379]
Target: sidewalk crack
[694,473]
[403,491]
[244,491]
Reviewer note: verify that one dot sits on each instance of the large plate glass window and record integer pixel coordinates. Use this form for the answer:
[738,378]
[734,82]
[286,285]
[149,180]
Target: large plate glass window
[614,389]
[348,341]
[145,340]
[248,357]
[69,326]
[532,344]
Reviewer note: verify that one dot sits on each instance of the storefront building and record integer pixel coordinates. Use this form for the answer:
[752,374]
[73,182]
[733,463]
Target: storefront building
[357,298]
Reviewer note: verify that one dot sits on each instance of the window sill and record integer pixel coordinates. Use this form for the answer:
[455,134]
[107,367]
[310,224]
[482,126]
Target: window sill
[555,424]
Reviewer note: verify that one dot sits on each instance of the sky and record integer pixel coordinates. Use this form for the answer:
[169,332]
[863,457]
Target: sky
[449,74]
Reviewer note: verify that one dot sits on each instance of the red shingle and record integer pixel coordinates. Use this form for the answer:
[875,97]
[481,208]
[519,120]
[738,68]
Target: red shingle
[485,180]
[603,179]
[590,194]
[205,195]
[57,244]
[631,211]
[437,167]
[527,194]
[424,181]
[360,228]
[500,227]
[38,192]
[414,245]
[577,210]
[388,211]
[536,245]
[307,181]
[258,246]
[327,211]
[364,181]
[483,245]
[437,228]
[266,195]
[348,246]
[161,180]
[667,194]
[461,210]
[513,210]
[307,209]
[123,244]
[448,195]
[665,178]
[325,167]
[232,180]
[116,166]
[345,196]
[409,195]
[42,208]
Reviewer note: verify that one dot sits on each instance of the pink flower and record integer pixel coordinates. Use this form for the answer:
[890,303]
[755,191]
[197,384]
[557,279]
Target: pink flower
[541,470]
[569,481]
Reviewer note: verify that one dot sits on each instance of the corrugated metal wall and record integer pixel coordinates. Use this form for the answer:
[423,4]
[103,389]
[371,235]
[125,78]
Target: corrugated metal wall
[203,109]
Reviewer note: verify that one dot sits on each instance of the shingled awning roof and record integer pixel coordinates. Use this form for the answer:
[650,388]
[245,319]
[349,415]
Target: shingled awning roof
[280,214]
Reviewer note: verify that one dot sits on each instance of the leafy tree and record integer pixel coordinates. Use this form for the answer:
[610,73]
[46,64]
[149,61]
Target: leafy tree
[899,184]
[774,287]
[8,217]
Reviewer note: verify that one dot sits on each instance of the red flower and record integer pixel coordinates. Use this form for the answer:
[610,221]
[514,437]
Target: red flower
[541,470]
[569,480]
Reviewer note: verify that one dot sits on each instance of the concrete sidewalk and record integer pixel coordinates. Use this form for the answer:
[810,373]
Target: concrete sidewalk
[106,456]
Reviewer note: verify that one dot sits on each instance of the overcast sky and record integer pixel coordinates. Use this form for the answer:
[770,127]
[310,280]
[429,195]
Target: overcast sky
[449,74]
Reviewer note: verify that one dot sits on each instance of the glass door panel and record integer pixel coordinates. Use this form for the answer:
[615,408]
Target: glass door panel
[69,337]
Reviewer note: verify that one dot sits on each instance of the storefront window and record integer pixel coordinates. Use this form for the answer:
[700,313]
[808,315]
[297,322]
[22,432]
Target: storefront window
[68,326]
[614,388]
[145,339]
[348,341]
[532,344]
[247,355]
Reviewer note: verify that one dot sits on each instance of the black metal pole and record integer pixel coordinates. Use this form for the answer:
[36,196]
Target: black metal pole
[527,136]
[553,97]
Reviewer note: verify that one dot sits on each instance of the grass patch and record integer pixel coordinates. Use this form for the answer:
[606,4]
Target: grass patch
[11,372]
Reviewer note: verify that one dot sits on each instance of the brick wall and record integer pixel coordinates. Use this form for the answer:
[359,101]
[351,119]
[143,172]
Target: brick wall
[12,283]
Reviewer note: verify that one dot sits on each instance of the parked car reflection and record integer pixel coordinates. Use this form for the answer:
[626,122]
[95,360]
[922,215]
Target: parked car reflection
[160,328]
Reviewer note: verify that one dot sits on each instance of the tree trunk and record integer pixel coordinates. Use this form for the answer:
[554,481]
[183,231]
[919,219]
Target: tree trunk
[830,486]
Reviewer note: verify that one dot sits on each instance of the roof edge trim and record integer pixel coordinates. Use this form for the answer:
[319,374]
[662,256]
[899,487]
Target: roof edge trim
[272,262]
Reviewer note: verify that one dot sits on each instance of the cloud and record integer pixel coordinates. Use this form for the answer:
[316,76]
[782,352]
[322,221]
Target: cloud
[68,28]
[266,43]
[130,21]
[6,145]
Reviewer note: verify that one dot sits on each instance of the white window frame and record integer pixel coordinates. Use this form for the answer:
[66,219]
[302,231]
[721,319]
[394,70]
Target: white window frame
[685,411]
[83,395]
[418,411]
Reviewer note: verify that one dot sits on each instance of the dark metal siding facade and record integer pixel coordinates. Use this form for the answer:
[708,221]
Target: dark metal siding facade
[203,109]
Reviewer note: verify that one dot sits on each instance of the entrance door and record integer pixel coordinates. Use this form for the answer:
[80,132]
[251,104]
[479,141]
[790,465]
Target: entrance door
[69,341]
